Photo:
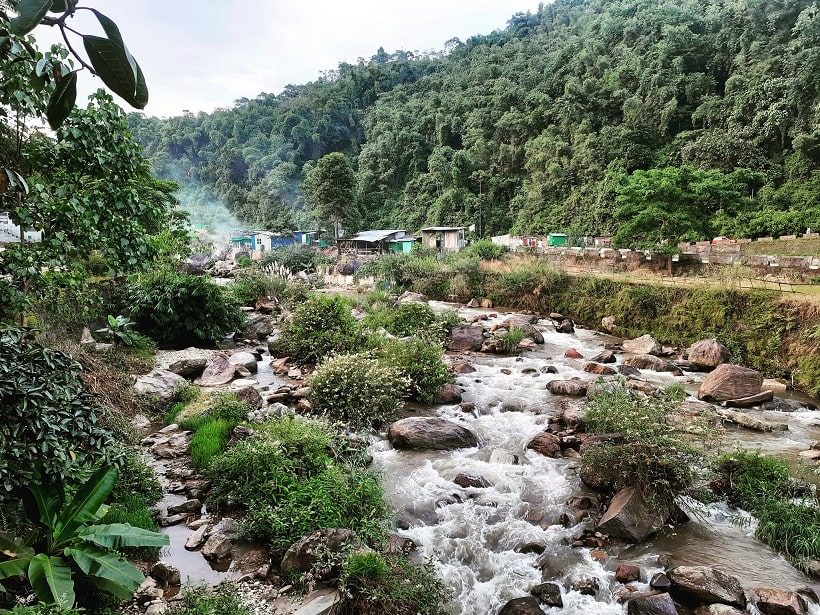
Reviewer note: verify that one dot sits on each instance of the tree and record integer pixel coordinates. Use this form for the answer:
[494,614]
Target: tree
[330,190]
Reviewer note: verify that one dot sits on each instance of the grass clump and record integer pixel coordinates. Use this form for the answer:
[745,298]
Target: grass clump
[787,511]
[373,584]
[509,340]
[358,389]
[250,285]
[293,477]
[209,441]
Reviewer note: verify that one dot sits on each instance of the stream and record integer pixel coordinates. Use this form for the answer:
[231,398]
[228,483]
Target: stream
[493,544]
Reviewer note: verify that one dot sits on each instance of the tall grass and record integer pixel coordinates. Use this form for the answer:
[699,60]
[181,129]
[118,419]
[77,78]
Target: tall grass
[209,441]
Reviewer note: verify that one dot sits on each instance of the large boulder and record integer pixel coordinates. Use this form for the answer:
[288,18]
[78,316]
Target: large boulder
[718,609]
[258,327]
[548,444]
[219,371]
[646,361]
[247,360]
[524,324]
[652,604]
[305,552]
[217,547]
[568,387]
[631,517]
[706,355]
[549,594]
[702,584]
[644,344]
[411,297]
[599,369]
[159,383]
[778,602]
[729,381]
[188,368]
[421,432]
[466,337]
[522,606]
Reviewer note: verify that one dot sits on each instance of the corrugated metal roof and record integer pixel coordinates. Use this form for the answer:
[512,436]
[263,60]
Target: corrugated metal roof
[437,229]
[374,236]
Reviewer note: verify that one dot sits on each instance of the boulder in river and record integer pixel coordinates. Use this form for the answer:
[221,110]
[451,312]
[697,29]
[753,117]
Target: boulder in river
[652,604]
[599,369]
[217,547]
[522,606]
[188,368]
[645,344]
[605,356]
[219,371]
[706,355]
[646,361]
[466,337]
[159,383]
[703,584]
[471,480]
[565,326]
[631,517]
[423,432]
[305,552]
[449,394]
[246,359]
[778,602]
[411,297]
[258,327]
[523,323]
[718,609]
[729,381]
[549,594]
[547,444]
[608,323]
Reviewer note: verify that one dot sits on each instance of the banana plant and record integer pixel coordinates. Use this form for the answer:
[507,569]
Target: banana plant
[71,543]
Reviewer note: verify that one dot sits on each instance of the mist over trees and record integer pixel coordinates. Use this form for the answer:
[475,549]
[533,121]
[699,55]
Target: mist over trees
[649,120]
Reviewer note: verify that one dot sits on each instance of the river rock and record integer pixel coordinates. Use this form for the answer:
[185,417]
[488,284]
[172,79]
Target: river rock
[524,324]
[752,400]
[646,361]
[571,353]
[565,326]
[462,367]
[191,506]
[652,604]
[166,573]
[473,303]
[159,383]
[605,356]
[644,344]
[250,396]
[547,444]
[522,606]
[471,480]
[217,547]
[778,385]
[188,368]
[660,582]
[421,432]
[218,371]
[718,609]
[266,305]
[631,517]
[503,456]
[601,438]
[197,538]
[245,359]
[627,573]
[449,394]
[568,387]
[705,584]
[778,601]
[608,323]
[628,370]
[706,355]
[549,594]
[258,327]
[729,381]
[599,369]
[305,552]
[466,337]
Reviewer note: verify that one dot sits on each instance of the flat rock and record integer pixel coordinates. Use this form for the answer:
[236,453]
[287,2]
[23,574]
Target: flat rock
[646,361]
[197,538]
[219,371]
[600,369]
[705,584]
[466,337]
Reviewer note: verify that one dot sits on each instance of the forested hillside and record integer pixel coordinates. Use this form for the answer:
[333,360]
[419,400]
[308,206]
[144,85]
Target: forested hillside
[647,119]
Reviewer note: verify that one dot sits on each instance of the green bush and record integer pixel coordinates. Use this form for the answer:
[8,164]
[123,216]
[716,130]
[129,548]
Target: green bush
[653,457]
[209,441]
[358,389]
[250,285]
[788,512]
[292,480]
[485,250]
[182,310]
[404,320]
[509,340]
[374,584]
[136,478]
[317,328]
[51,424]
[200,601]
[421,363]
[295,257]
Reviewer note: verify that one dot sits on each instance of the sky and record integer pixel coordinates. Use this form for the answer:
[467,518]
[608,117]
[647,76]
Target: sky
[198,59]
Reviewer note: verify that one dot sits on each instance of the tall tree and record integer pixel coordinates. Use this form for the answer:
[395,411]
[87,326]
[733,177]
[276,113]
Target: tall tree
[330,189]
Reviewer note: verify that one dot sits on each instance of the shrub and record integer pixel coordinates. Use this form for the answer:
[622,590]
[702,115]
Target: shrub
[404,320]
[290,479]
[178,309]
[51,425]
[652,458]
[485,250]
[295,257]
[249,286]
[136,478]
[357,389]
[373,584]
[200,601]
[421,363]
[509,340]
[317,328]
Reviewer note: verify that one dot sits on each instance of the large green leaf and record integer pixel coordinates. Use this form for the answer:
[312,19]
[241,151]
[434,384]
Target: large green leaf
[62,100]
[115,66]
[141,95]
[122,576]
[86,504]
[20,555]
[50,579]
[29,14]
[49,501]
[58,6]
[140,90]
[118,535]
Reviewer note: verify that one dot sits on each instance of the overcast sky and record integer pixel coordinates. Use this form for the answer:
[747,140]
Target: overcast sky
[198,56]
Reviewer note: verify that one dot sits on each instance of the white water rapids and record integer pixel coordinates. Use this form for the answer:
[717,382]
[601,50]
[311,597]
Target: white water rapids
[484,542]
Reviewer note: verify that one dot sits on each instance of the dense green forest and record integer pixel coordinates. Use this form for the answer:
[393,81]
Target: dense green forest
[649,120]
